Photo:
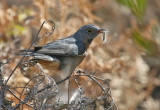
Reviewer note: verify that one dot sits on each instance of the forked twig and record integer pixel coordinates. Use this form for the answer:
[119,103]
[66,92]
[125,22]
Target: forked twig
[34,40]
[24,56]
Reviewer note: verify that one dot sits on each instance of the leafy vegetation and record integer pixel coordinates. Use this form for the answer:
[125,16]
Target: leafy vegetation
[137,7]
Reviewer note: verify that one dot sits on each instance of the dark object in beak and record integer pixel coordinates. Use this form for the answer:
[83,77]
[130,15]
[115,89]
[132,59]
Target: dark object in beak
[101,30]
[105,32]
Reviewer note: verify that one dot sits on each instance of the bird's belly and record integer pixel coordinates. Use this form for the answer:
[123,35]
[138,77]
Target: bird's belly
[69,63]
[62,68]
[49,65]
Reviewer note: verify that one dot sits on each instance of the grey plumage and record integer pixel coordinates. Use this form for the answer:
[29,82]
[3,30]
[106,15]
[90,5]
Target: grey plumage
[68,51]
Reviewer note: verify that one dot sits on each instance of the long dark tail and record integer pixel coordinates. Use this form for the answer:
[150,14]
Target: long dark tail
[33,53]
[29,52]
[23,52]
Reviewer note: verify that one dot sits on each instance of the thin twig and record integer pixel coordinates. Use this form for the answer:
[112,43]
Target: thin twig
[1,81]
[21,102]
[25,53]
[53,27]
[18,98]
[47,33]
[28,83]
[59,82]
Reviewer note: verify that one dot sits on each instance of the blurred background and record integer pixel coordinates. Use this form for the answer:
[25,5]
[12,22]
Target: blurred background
[130,58]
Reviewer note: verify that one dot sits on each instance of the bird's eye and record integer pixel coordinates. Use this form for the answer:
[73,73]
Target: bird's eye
[89,30]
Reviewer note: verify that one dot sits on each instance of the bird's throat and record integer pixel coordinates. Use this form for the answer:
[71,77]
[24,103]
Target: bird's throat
[89,41]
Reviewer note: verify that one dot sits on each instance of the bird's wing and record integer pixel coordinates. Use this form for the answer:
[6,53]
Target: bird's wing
[61,47]
[65,46]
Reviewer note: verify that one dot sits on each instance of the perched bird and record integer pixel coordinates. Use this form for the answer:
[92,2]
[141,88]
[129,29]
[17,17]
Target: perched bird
[64,55]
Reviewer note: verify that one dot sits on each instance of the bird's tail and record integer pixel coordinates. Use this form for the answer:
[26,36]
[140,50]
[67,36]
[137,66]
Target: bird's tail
[29,52]
[32,53]
[25,52]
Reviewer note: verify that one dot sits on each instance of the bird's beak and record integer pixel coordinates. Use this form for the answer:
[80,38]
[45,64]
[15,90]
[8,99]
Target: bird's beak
[105,32]
[101,30]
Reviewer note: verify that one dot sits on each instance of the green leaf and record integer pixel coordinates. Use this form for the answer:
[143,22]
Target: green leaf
[137,7]
[147,45]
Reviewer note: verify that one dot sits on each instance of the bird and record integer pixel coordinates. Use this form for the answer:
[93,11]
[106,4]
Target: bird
[62,56]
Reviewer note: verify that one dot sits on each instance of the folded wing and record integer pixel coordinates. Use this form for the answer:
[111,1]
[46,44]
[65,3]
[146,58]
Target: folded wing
[62,47]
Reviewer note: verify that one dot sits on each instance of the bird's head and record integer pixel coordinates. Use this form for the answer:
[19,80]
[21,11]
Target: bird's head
[89,31]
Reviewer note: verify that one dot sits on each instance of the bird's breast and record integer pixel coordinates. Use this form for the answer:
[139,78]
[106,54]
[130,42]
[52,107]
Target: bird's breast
[80,47]
[87,42]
